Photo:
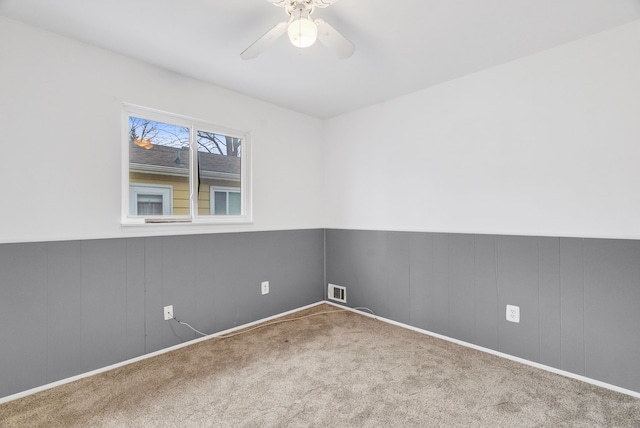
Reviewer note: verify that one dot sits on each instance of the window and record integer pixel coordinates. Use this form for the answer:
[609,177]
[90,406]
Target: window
[225,201]
[178,169]
[148,200]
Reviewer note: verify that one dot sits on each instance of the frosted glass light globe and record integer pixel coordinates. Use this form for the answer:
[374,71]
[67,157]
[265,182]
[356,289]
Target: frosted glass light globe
[303,32]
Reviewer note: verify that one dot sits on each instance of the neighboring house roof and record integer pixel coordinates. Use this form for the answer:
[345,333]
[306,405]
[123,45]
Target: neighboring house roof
[175,161]
[220,163]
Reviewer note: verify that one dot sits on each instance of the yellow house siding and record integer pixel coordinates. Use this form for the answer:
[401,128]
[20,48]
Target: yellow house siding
[180,187]
[203,198]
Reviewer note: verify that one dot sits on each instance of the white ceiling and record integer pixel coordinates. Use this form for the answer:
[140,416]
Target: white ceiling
[401,46]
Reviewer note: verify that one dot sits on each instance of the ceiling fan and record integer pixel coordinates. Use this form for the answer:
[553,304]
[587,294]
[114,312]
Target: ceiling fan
[303,31]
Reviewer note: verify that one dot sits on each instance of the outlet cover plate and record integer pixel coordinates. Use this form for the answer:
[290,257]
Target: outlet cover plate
[513,313]
[264,287]
[168,312]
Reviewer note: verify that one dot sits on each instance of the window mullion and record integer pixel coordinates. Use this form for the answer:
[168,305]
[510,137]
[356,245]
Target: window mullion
[193,173]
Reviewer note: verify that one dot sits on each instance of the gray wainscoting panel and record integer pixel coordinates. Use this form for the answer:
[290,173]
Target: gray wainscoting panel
[213,281]
[23,316]
[135,261]
[397,272]
[486,293]
[153,295]
[64,309]
[70,307]
[104,303]
[357,259]
[441,283]
[518,285]
[377,266]
[549,301]
[371,255]
[170,270]
[216,279]
[578,298]
[421,280]
[462,293]
[299,260]
[612,305]
[249,301]
[572,305]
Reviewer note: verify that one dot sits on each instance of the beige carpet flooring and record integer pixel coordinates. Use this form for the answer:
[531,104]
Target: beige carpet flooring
[331,370]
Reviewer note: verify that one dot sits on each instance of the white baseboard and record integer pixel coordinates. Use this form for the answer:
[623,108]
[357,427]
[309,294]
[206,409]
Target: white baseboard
[497,353]
[399,324]
[149,355]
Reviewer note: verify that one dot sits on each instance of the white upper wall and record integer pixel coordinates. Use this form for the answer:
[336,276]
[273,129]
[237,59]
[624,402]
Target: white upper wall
[60,140]
[545,145]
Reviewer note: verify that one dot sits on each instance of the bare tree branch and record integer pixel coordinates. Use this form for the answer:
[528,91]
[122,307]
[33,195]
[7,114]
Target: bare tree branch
[166,134]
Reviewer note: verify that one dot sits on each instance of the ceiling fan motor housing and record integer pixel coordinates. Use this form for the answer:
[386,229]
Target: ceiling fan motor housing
[312,3]
[299,9]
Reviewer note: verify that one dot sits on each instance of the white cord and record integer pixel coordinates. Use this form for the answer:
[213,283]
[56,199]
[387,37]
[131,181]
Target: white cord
[272,322]
[184,323]
[278,322]
[362,308]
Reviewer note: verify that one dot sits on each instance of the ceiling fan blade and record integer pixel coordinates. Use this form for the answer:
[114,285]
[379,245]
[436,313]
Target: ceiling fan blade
[331,38]
[265,41]
[280,3]
[321,3]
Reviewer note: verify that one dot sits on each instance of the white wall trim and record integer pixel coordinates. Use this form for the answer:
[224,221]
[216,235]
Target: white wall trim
[61,382]
[490,232]
[162,230]
[497,353]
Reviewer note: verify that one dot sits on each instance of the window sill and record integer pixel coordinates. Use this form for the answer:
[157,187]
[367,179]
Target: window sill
[183,222]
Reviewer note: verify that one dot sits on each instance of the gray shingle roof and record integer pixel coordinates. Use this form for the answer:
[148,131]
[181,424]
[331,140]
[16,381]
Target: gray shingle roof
[170,157]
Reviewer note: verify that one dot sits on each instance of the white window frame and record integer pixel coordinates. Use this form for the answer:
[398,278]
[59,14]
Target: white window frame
[194,125]
[225,189]
[166,192]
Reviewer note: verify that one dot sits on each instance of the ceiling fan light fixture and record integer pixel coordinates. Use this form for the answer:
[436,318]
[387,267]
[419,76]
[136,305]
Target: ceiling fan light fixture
[303,32]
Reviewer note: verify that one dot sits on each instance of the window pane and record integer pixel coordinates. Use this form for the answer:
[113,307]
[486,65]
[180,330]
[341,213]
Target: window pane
[149,204]
[159,155]
[219,164]
[234,203]
[220,203]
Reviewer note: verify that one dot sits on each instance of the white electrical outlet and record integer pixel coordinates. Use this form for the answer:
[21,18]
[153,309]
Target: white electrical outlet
[513,313]
[168,312]
[264,286]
